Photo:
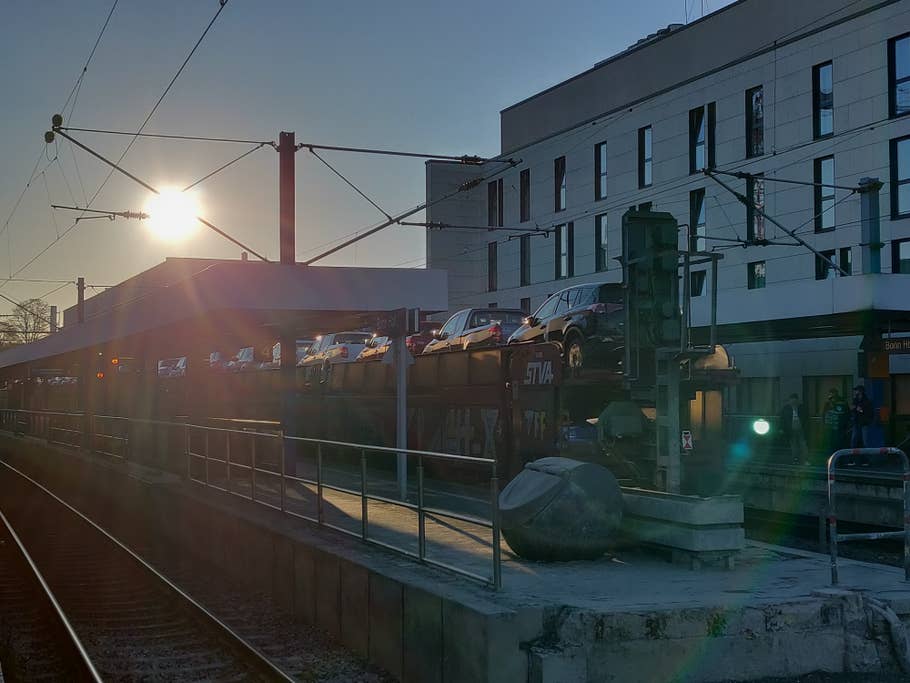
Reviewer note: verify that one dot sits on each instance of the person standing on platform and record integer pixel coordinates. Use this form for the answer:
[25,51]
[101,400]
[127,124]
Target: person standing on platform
[860,418]
[834,415]
[793,426]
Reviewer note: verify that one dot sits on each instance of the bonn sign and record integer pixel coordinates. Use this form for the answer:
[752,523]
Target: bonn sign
[899,345]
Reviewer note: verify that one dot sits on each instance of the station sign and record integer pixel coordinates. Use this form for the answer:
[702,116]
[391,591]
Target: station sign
[896,345]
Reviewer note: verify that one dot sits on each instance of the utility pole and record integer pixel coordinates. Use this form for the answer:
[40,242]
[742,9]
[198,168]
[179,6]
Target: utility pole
[287,338]
[80,300]
[871,225]
[286,203]
[53,319]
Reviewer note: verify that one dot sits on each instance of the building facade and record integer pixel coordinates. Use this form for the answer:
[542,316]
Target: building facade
[816,92]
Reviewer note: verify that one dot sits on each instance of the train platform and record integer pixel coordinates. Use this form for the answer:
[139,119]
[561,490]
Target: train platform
[629,616]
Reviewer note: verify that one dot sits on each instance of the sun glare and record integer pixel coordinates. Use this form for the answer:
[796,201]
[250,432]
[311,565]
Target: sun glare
[172,215]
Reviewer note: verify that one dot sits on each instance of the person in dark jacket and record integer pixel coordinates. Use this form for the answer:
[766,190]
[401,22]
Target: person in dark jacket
[793,427]
[835,416]
[860,417]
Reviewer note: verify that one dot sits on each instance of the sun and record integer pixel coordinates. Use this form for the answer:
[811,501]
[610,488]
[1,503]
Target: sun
[172,215]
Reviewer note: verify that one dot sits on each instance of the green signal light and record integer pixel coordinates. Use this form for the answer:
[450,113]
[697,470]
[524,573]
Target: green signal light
[761,427]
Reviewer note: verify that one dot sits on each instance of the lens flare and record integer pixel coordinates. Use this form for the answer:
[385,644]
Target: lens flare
[172,215]
[761,427]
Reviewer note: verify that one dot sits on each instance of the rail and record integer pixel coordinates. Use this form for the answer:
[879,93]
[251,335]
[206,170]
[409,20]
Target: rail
[872,536]
[250,459]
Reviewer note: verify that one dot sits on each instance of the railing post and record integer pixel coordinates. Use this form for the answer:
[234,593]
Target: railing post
[364,506]
[906,515]
[206,457]
[832,517]
[227,458]
[253,471]
[319,513]
[186,450]
[494,511]
[421,515]
[283,467]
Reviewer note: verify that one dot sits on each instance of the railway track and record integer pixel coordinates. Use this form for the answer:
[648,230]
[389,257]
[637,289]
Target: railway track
[77,604]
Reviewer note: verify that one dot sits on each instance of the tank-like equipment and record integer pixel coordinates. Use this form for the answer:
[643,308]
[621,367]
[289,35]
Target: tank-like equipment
[559,509]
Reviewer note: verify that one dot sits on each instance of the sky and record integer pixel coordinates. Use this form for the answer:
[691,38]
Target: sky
[411,75]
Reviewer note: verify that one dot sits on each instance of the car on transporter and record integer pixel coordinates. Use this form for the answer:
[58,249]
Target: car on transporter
[329,349]
[474,328]
[586,321]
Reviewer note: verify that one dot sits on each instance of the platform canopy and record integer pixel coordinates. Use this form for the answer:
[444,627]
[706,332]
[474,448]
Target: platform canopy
[183,299]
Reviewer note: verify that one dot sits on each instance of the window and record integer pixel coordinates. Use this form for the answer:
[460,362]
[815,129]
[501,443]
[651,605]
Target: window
[899,75]
[524,260]
[824,270]
[697,282]
[697,223]
[644,156]
[900,256]
[824,194]
[565,266]
[846,260]
[702,122]
[492,304]
[756,275]
[822,100]
[755,221]
[600,242]
[900,177]
[547,308]
[494,203]
[525,305]
[755,122]
[559,183]
[525,194]
[758,396]
[600,171]
[492,276]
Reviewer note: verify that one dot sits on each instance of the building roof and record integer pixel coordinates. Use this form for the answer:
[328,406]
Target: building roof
[160,297]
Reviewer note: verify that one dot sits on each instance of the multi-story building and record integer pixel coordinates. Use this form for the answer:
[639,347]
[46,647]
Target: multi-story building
[816,92]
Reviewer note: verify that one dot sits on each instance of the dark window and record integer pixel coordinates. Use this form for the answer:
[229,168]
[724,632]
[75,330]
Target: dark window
[900,256]
[525,193]
[697,282]
[900,177]
[559,183]
[525,305]
[524,258]
[755,122]
[702,122]
[644,156]
[824,194]
[756,277]
[899,75]
[697,221]
[823,100]
[600,170]
[600,242]
[755,221]
[824,268]
[492,264]
[494,203]
[492,304]
[846,260]
[565,257]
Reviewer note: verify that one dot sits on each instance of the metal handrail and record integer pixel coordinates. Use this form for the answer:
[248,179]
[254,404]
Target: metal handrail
[873,536]
[390,449]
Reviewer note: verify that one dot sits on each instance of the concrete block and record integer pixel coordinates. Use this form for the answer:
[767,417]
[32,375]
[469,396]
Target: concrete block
[422,642]
[355,607]
[691,510]
[557,666]
[385,623]
[695,539]
[328,593]
[304,584]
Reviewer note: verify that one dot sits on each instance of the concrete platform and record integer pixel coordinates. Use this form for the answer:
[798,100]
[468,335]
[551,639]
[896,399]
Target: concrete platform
[630,617]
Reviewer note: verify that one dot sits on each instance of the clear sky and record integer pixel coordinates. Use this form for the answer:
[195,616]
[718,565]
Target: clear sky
[418,75]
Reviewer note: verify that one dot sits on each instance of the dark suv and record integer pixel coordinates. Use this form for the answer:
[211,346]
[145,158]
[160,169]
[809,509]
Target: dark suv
[586,320]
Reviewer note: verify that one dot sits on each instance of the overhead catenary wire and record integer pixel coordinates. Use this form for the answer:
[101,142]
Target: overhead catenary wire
[349,183]
[224,166]
[91,55]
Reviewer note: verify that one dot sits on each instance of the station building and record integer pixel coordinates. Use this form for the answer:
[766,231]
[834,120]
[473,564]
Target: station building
[815,91]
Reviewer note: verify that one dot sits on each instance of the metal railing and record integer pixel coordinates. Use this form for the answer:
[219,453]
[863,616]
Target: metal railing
[872,536]
[250,459]
[254,465]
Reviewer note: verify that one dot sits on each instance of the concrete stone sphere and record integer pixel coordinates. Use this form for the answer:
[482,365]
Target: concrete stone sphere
[558,509]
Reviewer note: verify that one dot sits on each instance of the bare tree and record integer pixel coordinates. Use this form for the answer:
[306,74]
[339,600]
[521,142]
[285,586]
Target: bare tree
[28,322]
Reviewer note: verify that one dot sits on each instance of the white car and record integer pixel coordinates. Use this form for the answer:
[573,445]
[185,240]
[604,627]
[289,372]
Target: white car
[328,349]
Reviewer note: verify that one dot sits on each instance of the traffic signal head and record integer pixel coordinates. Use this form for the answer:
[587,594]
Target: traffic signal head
[99,374]
[115,361]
